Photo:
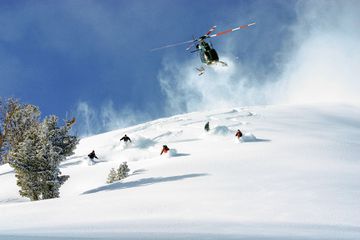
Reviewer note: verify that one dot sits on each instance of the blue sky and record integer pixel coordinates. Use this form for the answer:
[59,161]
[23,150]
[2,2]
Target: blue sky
[91,59]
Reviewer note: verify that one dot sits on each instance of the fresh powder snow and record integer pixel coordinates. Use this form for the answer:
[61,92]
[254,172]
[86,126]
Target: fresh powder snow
[294,174]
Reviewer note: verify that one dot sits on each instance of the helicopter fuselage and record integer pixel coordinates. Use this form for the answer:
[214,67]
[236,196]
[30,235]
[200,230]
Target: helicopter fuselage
[208,54]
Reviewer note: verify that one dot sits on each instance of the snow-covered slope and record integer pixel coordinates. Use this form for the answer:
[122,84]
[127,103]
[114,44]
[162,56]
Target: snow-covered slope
[294,175]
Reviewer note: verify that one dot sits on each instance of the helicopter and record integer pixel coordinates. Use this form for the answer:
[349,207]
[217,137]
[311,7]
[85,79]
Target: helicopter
[207,52]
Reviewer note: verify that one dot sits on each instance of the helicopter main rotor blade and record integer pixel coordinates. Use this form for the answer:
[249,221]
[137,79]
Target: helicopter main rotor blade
[191,45]
[211,30]
[173,45]
[232,30]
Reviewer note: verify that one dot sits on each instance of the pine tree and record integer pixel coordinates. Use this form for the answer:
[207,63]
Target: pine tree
[36,162]
[25,162]
[15,118]
[123,171]
[50,157]
[60,137]
[112,176]
[51,153]
[7,109]
[35,149]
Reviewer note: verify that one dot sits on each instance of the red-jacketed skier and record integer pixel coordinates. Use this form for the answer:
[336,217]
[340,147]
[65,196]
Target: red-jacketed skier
[238,134]
[165,149]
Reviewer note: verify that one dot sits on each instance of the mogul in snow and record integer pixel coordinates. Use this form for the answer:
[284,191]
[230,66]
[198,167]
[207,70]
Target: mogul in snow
[125,138]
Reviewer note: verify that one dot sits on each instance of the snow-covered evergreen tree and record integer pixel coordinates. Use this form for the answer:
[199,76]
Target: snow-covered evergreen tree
[50,155]
[15,118]
[35,149]
[60,137]
[24,160]
[112,176]
[36,162]
[121,173]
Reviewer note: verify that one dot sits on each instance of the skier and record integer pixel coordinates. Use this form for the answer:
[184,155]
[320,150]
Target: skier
[125,138]
[92,155]
[207,127]
[238,134]
[165,149]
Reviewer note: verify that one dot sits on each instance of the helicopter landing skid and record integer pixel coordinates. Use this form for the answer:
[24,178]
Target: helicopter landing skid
[201,70]
[223,64]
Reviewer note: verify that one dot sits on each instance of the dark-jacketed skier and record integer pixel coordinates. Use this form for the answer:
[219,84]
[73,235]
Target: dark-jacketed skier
[125,138]
[207,127]
[92,155]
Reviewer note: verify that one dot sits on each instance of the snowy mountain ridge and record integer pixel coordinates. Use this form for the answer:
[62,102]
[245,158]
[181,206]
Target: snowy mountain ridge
[293,175]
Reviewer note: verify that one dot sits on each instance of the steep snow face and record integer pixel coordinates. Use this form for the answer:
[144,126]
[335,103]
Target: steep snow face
[294,173]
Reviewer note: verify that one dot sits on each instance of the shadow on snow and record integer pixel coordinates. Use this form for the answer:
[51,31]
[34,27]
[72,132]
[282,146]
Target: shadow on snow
[65,165]
[180,154]
[142,182]
[255,140]
[8,172]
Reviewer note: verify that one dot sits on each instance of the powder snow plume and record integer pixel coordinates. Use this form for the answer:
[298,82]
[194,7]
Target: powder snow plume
[319,64]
